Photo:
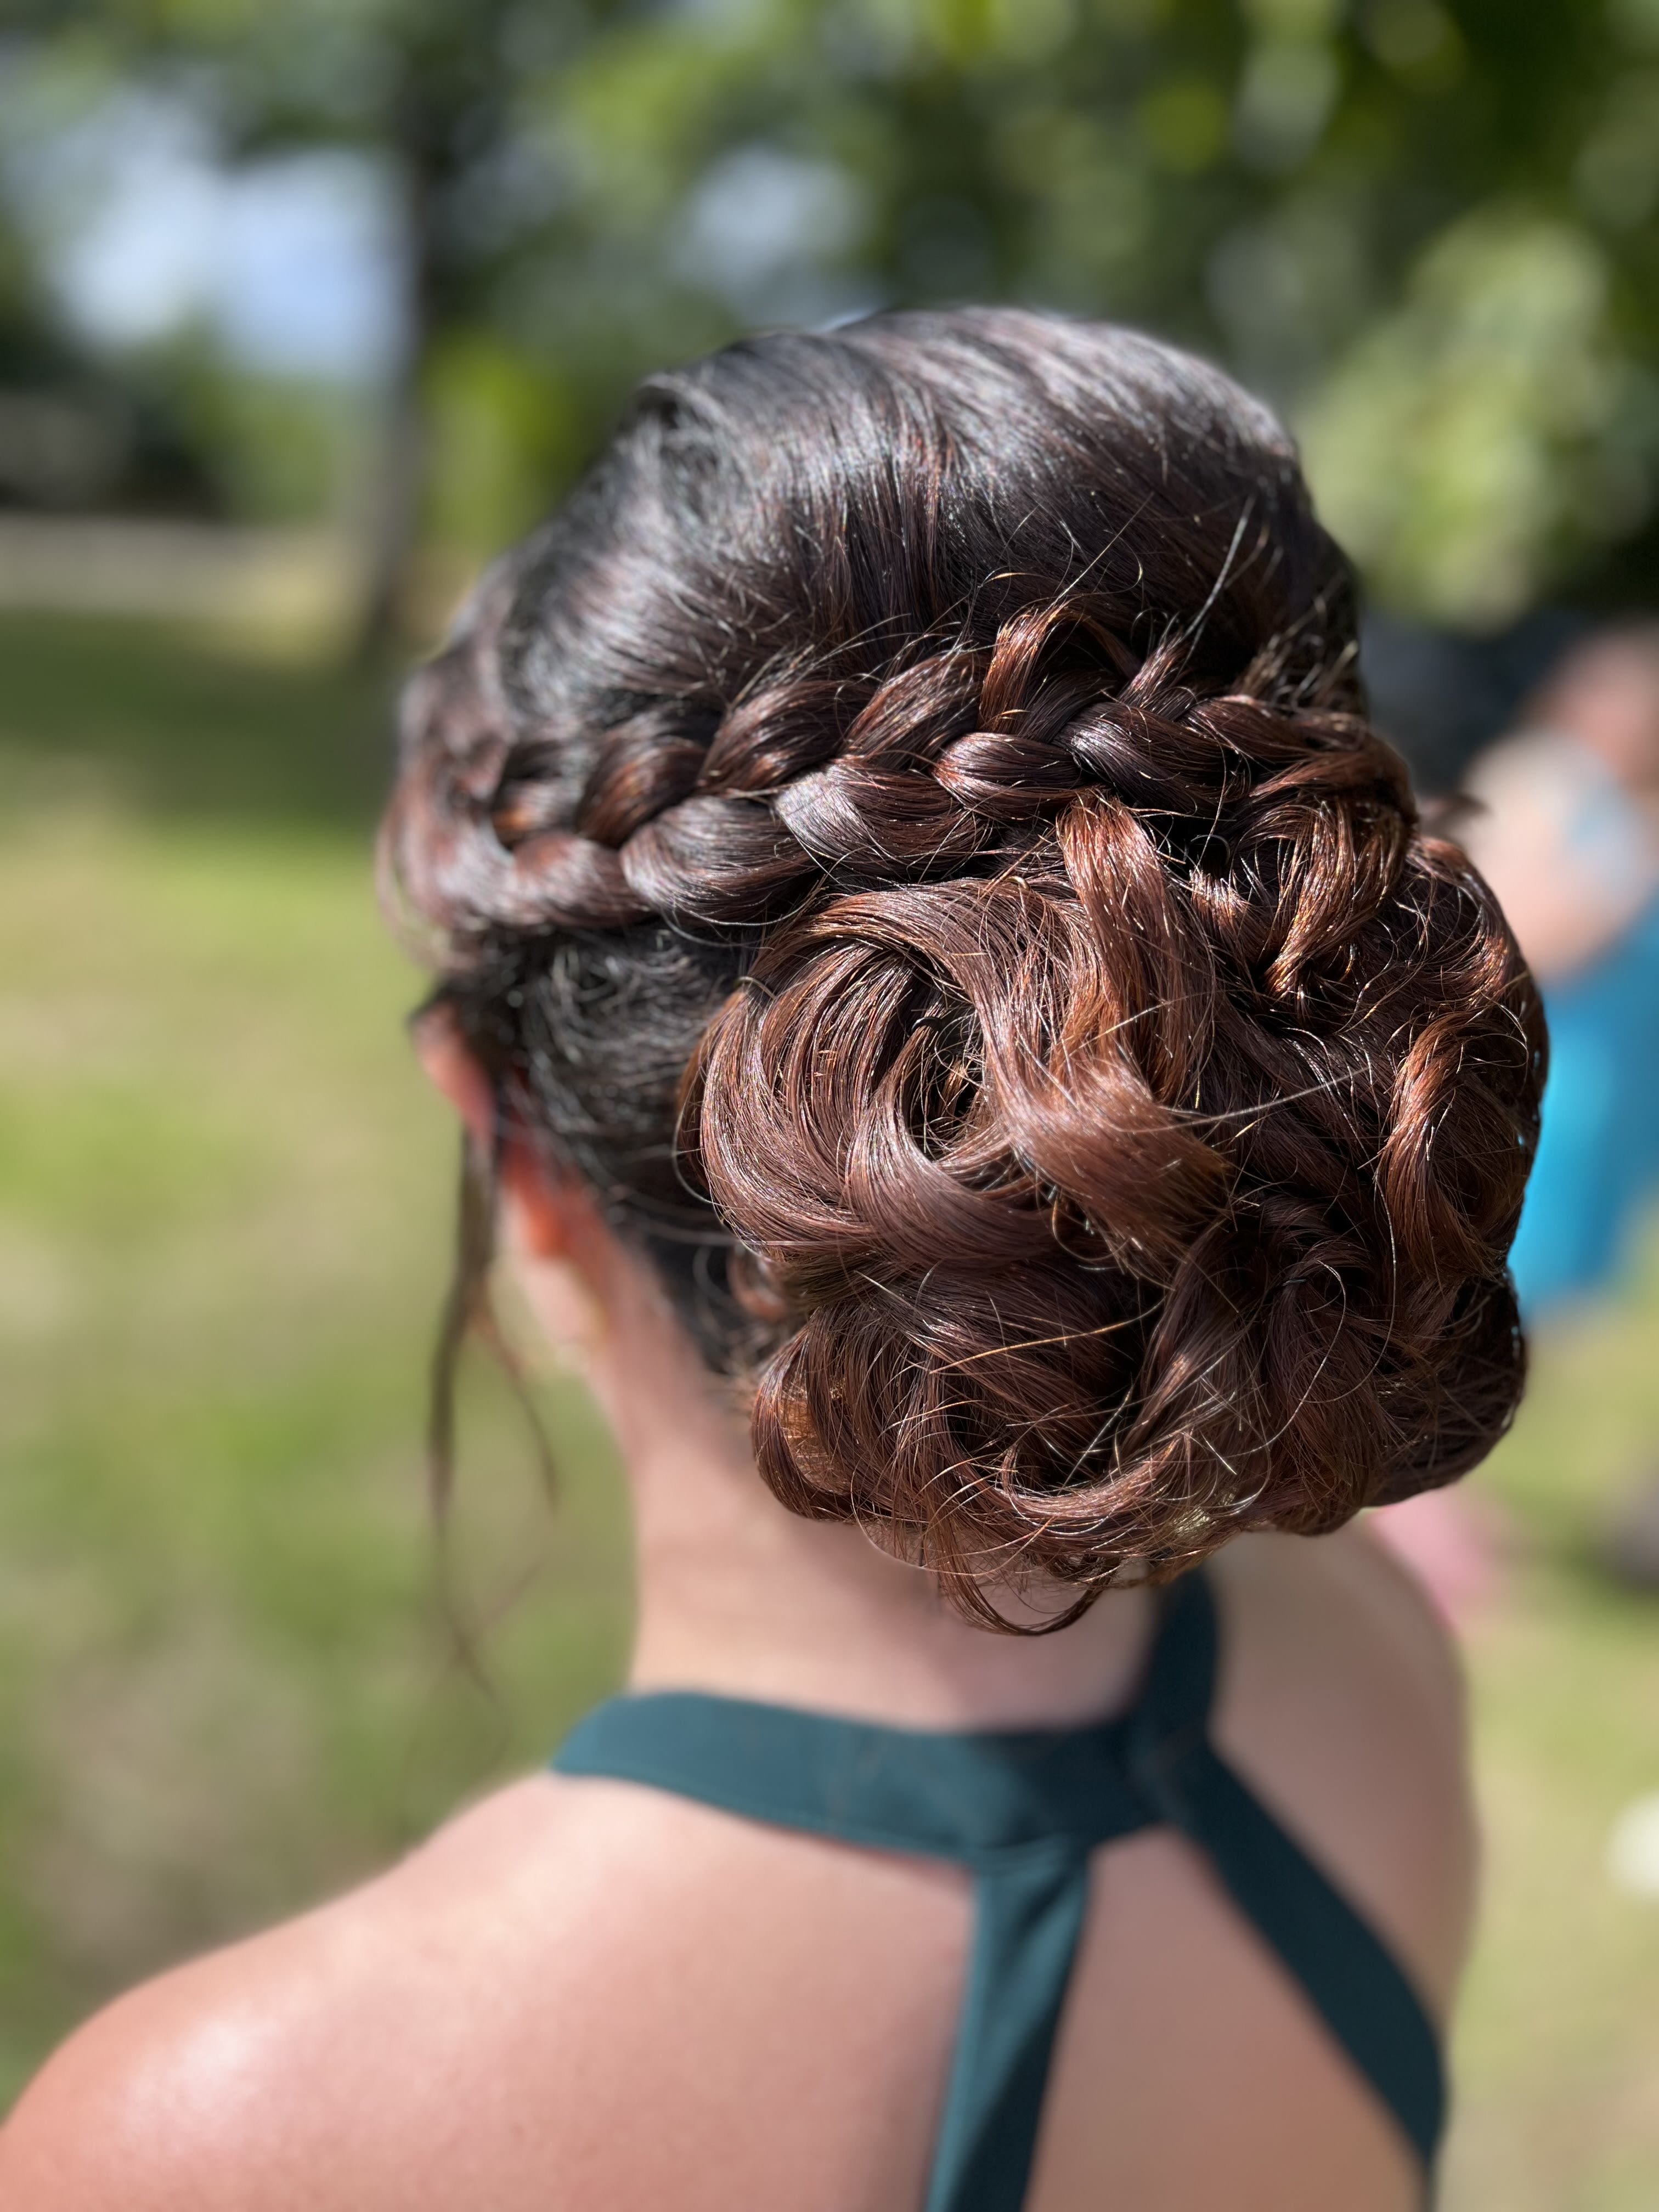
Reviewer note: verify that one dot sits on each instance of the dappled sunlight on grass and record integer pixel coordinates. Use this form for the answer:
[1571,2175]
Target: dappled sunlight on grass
[188,726]
[225,1200]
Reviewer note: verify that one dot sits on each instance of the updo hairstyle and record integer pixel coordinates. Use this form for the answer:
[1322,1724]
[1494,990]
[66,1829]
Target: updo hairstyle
[906,834]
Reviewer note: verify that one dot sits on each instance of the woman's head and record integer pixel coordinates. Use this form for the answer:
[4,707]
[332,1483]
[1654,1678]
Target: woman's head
[906,836]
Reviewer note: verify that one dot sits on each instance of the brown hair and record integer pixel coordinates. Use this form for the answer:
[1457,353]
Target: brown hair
[906,834]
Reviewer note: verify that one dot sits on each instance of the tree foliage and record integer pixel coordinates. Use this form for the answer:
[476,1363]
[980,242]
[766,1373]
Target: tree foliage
[1425,227]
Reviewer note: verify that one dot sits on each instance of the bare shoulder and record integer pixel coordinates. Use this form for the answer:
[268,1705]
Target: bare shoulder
[1342,1702]
[1303,1605]
[235,2080]
[429,2040]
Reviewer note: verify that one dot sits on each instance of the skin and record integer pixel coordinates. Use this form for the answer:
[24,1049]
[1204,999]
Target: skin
[1607,696]
[1564,910]
[585,1994]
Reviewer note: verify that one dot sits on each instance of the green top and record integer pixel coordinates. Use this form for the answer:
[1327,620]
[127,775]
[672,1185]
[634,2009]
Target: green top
[1023,1811]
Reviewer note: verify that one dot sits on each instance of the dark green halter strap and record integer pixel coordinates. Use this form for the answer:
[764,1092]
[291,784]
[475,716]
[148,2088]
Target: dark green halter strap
[1023,1812]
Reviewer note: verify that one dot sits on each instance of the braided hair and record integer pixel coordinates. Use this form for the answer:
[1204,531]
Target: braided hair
[906,834]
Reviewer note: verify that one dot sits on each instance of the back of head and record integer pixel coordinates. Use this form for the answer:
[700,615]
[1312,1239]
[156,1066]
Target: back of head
[906,834]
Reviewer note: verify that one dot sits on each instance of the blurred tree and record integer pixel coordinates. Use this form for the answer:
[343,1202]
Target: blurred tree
[1423,227]
[434,91]
[72,431]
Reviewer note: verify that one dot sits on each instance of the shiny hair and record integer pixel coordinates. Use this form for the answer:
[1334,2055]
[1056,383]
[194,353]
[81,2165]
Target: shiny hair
[906,834]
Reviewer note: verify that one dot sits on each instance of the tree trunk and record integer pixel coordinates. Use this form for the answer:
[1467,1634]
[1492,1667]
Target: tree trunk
[392,527]
[392,521]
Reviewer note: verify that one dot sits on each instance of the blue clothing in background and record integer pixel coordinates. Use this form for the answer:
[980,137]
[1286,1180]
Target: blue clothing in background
[1598,1157]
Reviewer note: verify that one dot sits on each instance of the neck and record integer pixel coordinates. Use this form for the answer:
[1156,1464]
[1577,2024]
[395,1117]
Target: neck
[740,1596]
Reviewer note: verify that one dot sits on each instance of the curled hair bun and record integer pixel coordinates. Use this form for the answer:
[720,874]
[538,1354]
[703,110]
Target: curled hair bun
[908,835]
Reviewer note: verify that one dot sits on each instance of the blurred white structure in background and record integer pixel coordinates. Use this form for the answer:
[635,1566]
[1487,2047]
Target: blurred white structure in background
[1633,1848]
[296,589]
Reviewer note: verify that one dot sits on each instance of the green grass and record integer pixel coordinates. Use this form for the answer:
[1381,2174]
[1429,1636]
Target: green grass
[174,726]
[225,1681]
[1558,2050]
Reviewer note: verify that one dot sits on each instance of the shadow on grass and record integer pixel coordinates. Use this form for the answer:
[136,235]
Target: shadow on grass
[181,727]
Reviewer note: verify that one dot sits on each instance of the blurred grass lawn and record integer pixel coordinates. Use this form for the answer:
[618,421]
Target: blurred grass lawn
[224,1685]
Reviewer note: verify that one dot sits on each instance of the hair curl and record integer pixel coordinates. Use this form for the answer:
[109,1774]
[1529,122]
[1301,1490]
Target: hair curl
[907,833]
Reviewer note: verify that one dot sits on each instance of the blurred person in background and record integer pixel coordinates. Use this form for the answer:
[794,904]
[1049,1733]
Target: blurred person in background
[963,1034]
[1566,830]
